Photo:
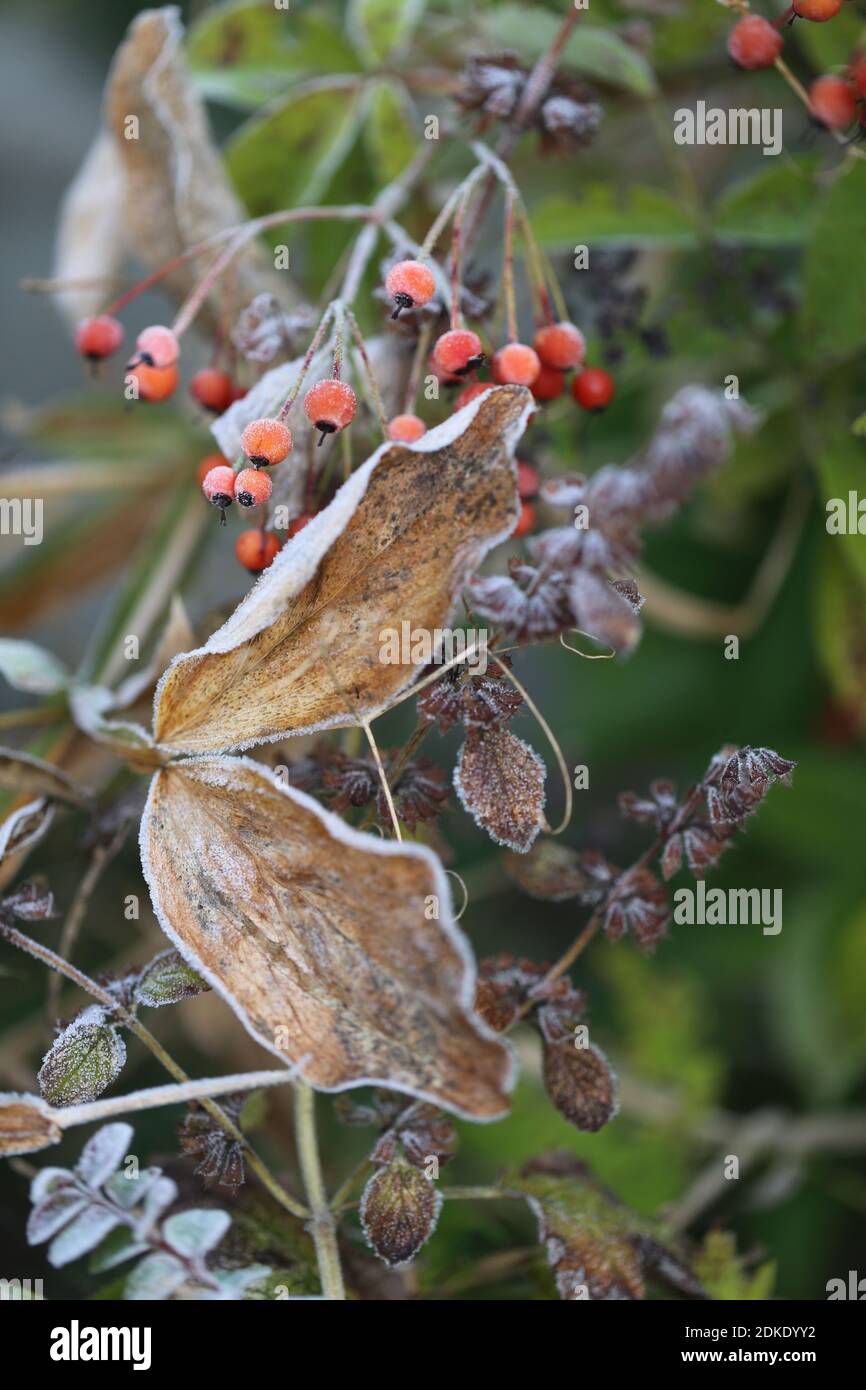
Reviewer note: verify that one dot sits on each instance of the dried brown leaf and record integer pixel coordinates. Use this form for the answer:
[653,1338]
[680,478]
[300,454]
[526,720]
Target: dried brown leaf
[26,774]
[399,1210]
[500,781]
[580,1083]
[91,240]
[317,936]
[303,651]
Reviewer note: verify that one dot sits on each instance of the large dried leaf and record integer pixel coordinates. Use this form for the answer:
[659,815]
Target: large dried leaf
[303,651]
[91,239]
[317,936]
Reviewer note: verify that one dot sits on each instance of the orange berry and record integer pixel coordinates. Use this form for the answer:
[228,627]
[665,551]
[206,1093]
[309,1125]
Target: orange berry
[219,488]
[832,102]
[593,389]
[406,428]
[526,520]
[298,525]
[516,365]
[208,462]
[549,384]
[754,43]
[560,345]
[471,393]
[252,487]
[330,406]
[410,284]
[212,389]
[157,347]
[528,481]
[98,337]
[857,74]
[256,549]
[817,10]
[266,442]
[458,352]
[154,383]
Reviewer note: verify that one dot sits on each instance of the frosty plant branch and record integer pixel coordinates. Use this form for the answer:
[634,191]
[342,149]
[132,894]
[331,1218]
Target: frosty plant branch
[154,1097]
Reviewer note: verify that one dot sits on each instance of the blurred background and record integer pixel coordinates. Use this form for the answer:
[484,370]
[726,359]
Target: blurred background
[704,262]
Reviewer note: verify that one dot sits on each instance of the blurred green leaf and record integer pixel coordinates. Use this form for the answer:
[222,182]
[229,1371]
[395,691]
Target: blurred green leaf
[602,216]
[771,208]
[833,319]
[723,1272]
[28,667]
[842,471]
[378,27]
[389,131]
[840,627]
[598,53]
[829,46]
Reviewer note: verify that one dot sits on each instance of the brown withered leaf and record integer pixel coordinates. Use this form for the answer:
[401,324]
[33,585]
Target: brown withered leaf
[581,1084]
[399,1210]
[549,871]
[303,651]
[25,826]
[26,774]
[500,781]
[26,1125]
[318,936]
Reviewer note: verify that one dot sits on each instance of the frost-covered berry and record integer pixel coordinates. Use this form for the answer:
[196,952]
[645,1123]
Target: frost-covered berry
[458,352]
[208,462]
[549,384]
[516,365]
[252,487]
[471,393]
[528,481]
[98,337]
[593,389]
[153,383]
[212,389]
[409,284]
[526,520]
[266,442]
[330,406]
[157,346]
[256,549]
[832,102]
[219,488]
[406,428]
[857,74]
[560,345]
[817,10]
[754,43]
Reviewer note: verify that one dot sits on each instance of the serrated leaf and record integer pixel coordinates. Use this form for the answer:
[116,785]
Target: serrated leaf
[29,667]
[103,1153]
[832,321]
[378,27]
[500,782]
[304,650]
[399,1210]
[606,216]
[320,938]
[196,1232]
[25,826]
[167,980]
[155,1279]
[82,1234]
[83,1061]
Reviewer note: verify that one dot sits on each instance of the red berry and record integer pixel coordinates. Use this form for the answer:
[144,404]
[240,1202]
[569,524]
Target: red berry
[256,549]
[560,345]
[410,284]
[528,481]
[252,487]
[471,393]
[406,428]
[526,520]
[298,524]
[154,383]
[212,389]
[817,10]
[98,337]
[330,406]
[754,43]
[832,102]
[458,352]
[219,488]
[857,74]
[157,347]
[516,365]
[208,462]
[549,384]
[593,389]
[266,442]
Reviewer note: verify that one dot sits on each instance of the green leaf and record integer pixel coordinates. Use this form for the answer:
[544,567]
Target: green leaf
[167,980]
[598,53]
[288,156]
[840,627]
[723,1274]
[833,318]
[772,208]
[829,46]
[604,216]
[842,471]
[195,1232]
[378,27]
[84,1060]
[389,131]
[29,667]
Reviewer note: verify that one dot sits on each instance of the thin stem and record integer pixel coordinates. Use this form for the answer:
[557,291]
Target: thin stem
[358,339]
[508,269]
[39,714]
[374,749]
[156,1096]
[321,1224]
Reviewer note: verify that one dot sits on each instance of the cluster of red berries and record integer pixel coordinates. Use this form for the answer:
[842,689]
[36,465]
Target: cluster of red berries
[154,365]
[834,102]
